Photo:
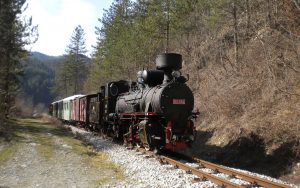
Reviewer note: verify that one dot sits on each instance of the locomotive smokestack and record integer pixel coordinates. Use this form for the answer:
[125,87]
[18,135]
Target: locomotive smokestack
[168,62]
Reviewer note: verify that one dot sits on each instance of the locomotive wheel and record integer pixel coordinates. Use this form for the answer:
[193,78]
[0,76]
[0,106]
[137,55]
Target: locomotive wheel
[148,148]
[117,134]
[104,132]
[156,151]
[139,144]
[125,143]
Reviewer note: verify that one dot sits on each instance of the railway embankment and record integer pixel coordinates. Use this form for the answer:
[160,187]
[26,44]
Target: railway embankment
[143,170]
[36,153]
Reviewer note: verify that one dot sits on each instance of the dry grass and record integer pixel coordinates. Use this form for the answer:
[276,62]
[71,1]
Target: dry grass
[95,159]
[261,95]
[101,161]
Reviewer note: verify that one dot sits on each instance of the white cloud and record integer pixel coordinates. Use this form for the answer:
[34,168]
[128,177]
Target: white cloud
[57,19]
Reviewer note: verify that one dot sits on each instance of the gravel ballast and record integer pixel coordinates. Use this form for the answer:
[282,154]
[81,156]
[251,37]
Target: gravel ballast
[148,172]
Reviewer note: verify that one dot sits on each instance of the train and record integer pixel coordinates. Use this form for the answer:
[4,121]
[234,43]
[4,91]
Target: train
[154,112]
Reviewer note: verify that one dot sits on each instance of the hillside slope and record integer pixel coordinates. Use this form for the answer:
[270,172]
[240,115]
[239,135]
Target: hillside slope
[38,80]
[44,57]
[258,95]
[249,109]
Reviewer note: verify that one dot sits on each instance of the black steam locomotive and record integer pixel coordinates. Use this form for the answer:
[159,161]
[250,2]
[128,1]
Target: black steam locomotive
[154,112]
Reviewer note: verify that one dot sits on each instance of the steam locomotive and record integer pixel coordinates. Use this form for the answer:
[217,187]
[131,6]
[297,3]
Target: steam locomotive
[156,112]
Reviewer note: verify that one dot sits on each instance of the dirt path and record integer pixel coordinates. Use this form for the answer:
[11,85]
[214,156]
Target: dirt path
[34,153]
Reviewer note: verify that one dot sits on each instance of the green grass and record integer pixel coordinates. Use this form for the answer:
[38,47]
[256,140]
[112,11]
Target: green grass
[8,142]
[98,160]
[45,145]
[7,151]
[103,180]
[38,130]
[22,131]
[95,159]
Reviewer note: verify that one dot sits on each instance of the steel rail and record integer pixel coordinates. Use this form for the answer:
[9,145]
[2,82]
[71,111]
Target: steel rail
[252,179]
[247,177]
[203,175]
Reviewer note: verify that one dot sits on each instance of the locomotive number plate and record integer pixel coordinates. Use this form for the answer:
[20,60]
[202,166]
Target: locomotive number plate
[178,101]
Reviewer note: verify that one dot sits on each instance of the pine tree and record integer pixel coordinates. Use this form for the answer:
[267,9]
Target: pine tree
[62,87]
[131,35]
[14,35]
[72,74]
[76,49]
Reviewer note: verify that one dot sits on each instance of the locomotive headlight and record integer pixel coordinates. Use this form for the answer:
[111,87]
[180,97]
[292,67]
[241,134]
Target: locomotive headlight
[192,138]
[176,73]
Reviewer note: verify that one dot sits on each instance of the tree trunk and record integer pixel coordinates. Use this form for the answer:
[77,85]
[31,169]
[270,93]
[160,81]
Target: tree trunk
[66,86]
[235,25]
[248,17]
[6,86]
[269,10]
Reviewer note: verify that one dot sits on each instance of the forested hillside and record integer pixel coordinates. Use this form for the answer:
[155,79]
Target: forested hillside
[38,82]
[44,57]
[38,78]
[242,56]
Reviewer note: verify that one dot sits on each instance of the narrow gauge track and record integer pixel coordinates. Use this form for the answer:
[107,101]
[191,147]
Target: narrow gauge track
[254,181]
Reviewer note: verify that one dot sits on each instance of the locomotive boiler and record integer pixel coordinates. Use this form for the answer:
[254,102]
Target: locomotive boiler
[155,112]
[159,109]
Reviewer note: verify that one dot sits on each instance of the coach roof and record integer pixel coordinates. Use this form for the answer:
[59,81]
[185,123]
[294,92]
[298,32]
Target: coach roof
[72,97]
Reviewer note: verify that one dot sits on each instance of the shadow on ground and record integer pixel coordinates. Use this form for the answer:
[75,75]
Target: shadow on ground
[16,130]
[248,153]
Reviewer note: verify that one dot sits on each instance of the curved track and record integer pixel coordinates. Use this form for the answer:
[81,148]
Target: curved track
[198,164]
[253,181]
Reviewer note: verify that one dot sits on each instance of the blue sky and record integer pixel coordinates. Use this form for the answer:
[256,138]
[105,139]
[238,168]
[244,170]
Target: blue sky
[56,20]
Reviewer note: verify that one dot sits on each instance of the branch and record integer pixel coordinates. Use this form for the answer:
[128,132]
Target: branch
[289,32]
[296,4]
[293,68]
[284,91]
[2,91]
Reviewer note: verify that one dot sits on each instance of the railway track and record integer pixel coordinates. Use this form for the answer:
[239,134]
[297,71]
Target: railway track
[252,181]
[199,165]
